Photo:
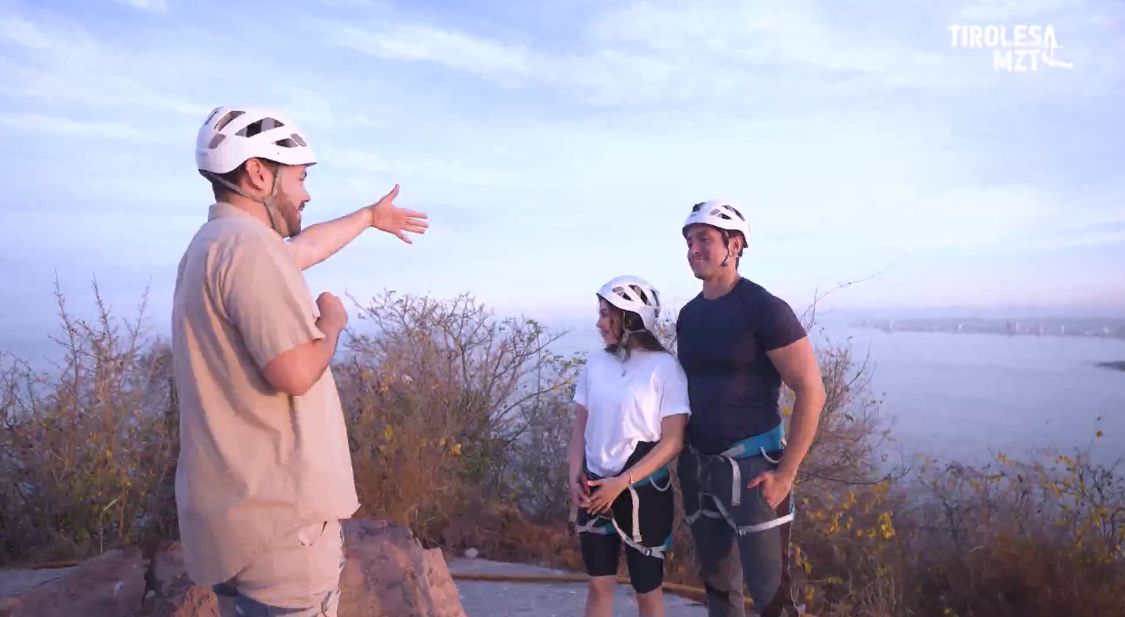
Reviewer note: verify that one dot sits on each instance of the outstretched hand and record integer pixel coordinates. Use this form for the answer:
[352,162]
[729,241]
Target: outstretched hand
[388,217]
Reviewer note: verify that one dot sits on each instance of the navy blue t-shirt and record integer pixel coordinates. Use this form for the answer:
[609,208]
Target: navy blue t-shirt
[732,385]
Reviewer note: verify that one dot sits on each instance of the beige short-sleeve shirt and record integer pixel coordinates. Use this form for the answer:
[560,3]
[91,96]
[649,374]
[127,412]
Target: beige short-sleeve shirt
[254,462]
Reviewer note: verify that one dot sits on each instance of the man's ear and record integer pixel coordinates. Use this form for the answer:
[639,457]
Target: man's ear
[739,242]
[258,175]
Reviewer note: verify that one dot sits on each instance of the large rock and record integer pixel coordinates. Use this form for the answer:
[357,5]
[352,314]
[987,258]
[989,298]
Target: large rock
[173,594]
[111,585]
[387,574]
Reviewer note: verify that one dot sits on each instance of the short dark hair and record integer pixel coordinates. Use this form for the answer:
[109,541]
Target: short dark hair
[235,175]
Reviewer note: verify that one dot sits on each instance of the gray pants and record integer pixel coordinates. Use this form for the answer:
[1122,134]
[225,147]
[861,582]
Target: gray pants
[763,556]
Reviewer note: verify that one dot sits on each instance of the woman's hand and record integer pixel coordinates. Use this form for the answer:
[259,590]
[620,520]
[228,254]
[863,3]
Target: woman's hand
[601,500]
[579,494]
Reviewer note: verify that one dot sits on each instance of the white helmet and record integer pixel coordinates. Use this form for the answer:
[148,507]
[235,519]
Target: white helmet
[718,213]
[232,135]
[632,293]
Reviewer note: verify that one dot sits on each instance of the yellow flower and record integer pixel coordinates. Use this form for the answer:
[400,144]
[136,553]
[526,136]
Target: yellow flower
[886,525]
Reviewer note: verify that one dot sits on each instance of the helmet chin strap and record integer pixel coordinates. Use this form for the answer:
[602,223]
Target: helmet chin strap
[279,224]
[623,344]
[622,352]
[726,243]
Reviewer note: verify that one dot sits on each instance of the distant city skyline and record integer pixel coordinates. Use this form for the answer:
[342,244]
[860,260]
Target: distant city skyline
[557,145]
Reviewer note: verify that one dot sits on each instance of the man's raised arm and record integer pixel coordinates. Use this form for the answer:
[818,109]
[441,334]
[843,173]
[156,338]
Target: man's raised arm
[319,242]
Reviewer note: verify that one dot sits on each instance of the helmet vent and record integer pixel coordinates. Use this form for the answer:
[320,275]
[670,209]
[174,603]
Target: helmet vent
[227,119]
[260,126]
[292,141]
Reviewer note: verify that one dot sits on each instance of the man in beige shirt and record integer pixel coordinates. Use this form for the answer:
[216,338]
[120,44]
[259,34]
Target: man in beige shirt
[264,474]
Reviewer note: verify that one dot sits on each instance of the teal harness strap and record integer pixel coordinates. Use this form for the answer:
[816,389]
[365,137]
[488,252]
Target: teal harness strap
[761,444]
[605,525]
[757,445]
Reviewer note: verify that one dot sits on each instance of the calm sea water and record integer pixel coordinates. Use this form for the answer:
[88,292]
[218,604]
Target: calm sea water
[962,396]
[956,396]
[967,396]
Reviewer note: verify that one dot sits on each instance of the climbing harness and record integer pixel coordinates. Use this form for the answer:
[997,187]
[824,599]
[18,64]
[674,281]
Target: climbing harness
[606,524]
[757,445]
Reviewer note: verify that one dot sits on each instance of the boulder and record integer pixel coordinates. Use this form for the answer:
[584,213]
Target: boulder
[387,574]
[390,574]
[111,585]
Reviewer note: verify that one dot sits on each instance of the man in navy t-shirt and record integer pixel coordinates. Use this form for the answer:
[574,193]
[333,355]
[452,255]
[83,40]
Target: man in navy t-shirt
[737,344]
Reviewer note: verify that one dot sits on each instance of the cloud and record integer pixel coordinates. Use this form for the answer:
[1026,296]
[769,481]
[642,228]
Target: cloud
[1078,233]
[447,47]
[70,127]
[352,4]
[24,34]
[728,52]
[1116,226]
[849,136]
[604,76]
[774,33]
[146,5]
[643,54]
[427,168]
[1017,11]
[62,62]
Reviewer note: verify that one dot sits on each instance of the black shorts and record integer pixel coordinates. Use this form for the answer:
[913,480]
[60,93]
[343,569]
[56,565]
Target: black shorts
[601,553]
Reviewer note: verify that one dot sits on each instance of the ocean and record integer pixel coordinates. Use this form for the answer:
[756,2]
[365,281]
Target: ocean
[966,397]
[953,396]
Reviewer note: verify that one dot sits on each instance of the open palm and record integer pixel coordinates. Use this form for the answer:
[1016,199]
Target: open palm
[388,217]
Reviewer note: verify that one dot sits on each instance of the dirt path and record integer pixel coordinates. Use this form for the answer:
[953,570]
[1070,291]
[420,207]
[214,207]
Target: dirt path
[512,599]
[480,598]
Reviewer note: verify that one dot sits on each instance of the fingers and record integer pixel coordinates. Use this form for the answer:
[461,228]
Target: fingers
[391,195]
[758,479]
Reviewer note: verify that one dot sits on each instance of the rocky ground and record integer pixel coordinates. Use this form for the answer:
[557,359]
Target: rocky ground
[388,574]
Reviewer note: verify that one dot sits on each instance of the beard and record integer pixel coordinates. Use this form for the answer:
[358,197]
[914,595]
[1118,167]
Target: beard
[288,211]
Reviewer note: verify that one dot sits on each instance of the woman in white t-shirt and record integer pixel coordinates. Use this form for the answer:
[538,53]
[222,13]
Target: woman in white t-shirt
[632,406]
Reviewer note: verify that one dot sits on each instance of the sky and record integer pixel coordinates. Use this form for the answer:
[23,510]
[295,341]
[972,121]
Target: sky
[556,145]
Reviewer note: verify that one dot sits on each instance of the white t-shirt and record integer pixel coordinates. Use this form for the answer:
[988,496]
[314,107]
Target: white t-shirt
[625,409]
